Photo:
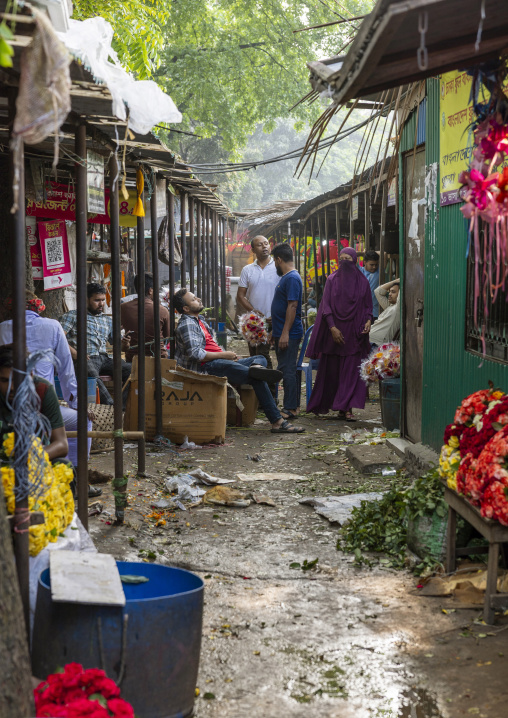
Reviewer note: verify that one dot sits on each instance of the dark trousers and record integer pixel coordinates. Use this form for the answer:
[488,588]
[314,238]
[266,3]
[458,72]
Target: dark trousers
[103,364]
[264,351]
[287,360]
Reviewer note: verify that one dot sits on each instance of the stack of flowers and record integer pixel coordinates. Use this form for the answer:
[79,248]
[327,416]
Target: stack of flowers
[474,456]
[253,327]
[55,501]
[382,363]
[76,693]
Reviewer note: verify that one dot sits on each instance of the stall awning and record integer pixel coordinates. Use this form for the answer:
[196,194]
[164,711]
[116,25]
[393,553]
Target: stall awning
[401,42]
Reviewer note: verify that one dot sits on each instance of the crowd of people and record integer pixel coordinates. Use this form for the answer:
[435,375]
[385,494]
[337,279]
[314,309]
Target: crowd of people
[354,315]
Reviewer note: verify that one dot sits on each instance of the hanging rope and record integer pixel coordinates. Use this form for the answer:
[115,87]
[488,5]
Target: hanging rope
[28,422]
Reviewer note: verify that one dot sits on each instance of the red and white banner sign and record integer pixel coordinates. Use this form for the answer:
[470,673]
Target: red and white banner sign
[56,261]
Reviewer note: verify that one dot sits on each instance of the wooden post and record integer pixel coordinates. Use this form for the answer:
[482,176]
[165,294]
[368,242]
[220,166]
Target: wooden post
[337,227]
[351,224]
[199,239]
[222,245]
[366,196]
[327,245]
[18,238]
[316,278]
[191,243]
[183,239]
[321,255]
[140,236]
[116,292]
[382,237]
[215,265]
[156,314]
[81,322]
[171,231]
[206,258]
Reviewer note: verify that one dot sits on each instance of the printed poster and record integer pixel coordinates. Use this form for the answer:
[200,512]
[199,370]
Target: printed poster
[56,262]
[60,203]
[95,183]
[35,248]
[354,207]
[391,198]
[456,138]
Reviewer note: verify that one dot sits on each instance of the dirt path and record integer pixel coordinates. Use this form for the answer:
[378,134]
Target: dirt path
[334,641]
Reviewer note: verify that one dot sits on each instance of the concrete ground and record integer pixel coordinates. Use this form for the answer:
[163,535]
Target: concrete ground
[336,641]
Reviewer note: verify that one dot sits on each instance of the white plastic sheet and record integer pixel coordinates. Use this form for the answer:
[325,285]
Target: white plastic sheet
[90,41]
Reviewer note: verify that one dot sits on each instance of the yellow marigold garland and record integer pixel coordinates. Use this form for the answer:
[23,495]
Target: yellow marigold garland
[56,501]
[449,461]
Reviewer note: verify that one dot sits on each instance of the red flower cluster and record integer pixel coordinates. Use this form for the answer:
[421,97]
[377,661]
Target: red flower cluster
[491,469]
[473,404]
[474,438]
[79,693]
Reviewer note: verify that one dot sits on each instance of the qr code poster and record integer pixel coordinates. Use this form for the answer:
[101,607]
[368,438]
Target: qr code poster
[56,263]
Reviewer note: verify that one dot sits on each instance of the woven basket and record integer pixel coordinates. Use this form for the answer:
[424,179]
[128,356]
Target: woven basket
[104,421]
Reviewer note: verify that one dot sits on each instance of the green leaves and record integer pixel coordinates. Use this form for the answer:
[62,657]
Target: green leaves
[6,51]
[381,526]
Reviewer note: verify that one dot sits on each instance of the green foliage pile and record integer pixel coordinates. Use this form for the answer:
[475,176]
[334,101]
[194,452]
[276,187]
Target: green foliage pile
[381,526]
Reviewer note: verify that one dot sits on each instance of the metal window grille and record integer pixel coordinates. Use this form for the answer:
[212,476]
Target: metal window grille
[490,337]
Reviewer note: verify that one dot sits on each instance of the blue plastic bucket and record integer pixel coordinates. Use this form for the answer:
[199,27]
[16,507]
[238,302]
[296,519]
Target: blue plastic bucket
[389,393]
[162,638]
[91,389]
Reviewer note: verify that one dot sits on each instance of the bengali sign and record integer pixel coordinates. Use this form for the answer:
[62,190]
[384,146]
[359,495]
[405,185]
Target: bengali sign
[456,138]
[56,261]
[35,248]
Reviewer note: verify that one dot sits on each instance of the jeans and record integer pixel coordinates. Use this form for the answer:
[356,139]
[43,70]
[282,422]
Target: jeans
[287,360]
[237,372]
[263,350]
[70,417]
[103,364]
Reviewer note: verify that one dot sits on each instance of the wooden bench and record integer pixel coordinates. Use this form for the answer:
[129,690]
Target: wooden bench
[497,536]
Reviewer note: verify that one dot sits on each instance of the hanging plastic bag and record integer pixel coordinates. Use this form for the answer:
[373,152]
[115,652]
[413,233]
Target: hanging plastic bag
[163,241]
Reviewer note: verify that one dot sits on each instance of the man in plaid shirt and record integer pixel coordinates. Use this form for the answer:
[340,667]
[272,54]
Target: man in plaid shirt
[196,349]
[99,330]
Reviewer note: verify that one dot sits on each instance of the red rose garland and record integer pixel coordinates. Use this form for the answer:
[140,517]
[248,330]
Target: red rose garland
[79,693]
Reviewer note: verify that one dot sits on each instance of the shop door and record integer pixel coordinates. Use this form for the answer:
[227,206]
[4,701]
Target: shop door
[412,299]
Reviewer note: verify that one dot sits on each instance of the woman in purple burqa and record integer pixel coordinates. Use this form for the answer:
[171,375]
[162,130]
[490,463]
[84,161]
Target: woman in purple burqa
[340,339]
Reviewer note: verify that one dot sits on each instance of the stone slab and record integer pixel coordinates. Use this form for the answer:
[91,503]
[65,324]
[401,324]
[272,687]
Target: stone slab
[337,509]
[399,446]
[420,458]
[373,459]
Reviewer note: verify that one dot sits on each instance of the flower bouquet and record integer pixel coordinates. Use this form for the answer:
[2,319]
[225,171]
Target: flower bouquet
[474,457]
[253,326]
[55,500]
[382,363]
[79,693]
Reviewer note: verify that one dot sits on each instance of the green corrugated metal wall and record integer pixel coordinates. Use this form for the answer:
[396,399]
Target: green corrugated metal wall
[449,371]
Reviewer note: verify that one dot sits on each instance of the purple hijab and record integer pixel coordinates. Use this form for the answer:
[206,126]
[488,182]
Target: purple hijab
[347,305]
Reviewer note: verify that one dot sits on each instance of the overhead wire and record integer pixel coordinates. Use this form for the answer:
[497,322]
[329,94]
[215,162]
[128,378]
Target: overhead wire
[221,168]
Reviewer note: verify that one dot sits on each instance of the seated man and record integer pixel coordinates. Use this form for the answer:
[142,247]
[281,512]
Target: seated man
[129,317]
[45,333]
[370,270]
[197,350]
[56,443]
[99,330]
[387,327]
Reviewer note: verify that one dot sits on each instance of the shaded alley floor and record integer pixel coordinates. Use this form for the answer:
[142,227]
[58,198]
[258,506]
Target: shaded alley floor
[336,641]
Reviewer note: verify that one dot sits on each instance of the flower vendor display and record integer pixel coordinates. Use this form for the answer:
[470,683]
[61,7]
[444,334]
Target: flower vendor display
[79,693]
[474,456]
[485,186]
[254,329]
[382,363]
[55,500]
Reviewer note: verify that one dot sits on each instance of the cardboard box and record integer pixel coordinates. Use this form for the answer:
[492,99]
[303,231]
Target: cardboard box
[193,404]
[250,407]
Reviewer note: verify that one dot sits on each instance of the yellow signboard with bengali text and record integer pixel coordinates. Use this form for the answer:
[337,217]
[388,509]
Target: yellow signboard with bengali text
[455,135]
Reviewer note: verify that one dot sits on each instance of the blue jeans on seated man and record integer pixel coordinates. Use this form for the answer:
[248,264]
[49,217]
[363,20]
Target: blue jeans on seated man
[287,360]
[237,372]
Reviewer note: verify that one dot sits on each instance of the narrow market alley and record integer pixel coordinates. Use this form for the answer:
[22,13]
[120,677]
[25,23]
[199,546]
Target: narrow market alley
[293,627]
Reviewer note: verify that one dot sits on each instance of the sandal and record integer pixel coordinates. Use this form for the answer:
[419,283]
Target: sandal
[287,428]
[94,491]
[287,414]
[342,415]
[349,416]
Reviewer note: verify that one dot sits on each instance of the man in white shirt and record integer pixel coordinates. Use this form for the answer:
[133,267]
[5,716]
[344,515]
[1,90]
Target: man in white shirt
[256,289]
[387,327]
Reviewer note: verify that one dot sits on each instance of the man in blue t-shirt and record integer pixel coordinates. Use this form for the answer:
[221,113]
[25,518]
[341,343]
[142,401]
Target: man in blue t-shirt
[287,327]
[370,270]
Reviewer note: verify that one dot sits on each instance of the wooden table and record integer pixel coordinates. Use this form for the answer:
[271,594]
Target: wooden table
[496,535]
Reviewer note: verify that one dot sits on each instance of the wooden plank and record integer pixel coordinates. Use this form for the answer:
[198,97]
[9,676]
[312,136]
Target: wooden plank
[493,531]
[83,577]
